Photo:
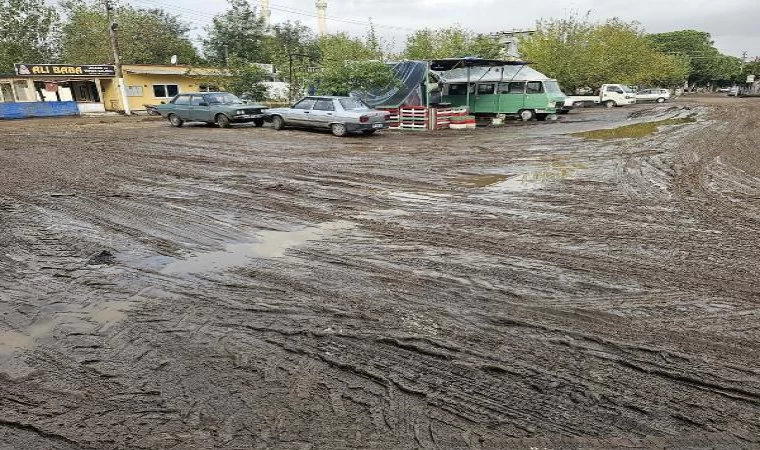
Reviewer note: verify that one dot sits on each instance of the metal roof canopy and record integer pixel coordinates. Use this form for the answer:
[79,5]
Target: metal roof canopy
[444,65]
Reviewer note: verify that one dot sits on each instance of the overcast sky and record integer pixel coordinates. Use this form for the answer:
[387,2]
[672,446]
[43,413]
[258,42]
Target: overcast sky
[734,24]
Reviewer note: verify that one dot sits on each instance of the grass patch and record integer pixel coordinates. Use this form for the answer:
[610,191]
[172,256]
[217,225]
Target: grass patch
[637,130]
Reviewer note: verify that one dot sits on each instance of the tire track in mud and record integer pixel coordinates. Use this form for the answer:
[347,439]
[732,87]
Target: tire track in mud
[613,303]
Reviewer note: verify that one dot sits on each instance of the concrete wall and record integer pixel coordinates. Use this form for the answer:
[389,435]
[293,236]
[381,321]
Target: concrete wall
[23,110]
[143,84]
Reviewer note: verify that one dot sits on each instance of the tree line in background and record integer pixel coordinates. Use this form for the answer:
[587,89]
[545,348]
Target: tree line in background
[577,52]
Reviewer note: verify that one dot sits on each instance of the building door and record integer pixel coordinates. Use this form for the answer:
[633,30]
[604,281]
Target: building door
[84,91]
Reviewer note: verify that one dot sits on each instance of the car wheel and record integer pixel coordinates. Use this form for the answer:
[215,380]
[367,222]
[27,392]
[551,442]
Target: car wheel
[368,132]
[259,122]
[338,129]
[175,120]
[526,114]
[223,121]
[578,104]
[278,123]
[660,100]
[609,103]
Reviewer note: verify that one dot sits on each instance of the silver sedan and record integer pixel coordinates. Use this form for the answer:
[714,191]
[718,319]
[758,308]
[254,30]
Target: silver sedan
[341,115]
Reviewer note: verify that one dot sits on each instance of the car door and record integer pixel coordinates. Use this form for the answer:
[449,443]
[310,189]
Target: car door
[200,111]
[180,106]
[323,113]
[511,97]
[300,112]
[535,97]
[485,98]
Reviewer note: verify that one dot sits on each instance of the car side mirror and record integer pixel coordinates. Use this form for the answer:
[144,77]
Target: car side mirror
[619,91]
[203,104]
[163,103]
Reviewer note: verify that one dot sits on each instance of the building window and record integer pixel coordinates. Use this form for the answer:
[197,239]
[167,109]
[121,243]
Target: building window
[208,88]
[22,91]
[165,90]
[134,91]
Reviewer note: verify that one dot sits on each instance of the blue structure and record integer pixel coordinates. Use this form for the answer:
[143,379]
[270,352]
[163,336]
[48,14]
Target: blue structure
[23,110]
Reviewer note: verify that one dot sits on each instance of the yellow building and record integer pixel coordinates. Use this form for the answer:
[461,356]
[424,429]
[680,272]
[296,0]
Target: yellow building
[149,84]
[88,89]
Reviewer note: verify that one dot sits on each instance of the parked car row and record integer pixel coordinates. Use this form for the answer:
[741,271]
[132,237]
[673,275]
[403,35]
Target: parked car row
[341,115]
[345,115]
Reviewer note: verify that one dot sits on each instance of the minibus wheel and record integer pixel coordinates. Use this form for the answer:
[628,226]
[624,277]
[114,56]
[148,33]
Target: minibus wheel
[526,114]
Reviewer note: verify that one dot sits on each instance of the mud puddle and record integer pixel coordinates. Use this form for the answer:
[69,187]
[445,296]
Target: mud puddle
[526,178]
[634,131]
[11,341]
[82,318]
[270,244]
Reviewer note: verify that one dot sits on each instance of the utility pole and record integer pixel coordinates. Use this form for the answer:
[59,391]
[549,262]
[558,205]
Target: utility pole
[113,28]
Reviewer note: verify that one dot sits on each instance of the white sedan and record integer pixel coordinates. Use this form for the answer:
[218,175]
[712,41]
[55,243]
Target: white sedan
[653,95]
[341,115]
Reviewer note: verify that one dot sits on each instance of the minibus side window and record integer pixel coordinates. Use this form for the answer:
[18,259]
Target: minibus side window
[535,87]
[486,88]
[517,87]
[458,89]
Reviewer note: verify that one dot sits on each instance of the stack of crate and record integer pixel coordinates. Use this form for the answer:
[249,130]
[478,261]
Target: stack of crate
[413,118]
[394,120]
[460,119]
[441,118]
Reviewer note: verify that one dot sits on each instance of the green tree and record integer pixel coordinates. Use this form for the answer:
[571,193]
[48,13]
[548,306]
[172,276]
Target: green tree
[344,77]
[291,42]
[342,47]
[450,42]
[238,32]
[240,78]
[580,53]
[27,33]
[146,36]
[706,63]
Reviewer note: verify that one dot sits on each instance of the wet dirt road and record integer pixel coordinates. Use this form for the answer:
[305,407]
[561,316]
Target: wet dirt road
[521,287]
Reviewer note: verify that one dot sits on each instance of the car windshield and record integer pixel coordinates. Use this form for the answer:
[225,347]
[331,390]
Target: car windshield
[352,103]
[223,99]
[626,88]
[552,87]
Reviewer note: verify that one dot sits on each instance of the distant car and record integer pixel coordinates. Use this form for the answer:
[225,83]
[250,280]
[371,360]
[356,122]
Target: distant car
[734,91]
[724,89]
[341,115]
[221,108]
[653,95]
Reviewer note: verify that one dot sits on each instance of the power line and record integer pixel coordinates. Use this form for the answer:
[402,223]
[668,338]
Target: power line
[203,17]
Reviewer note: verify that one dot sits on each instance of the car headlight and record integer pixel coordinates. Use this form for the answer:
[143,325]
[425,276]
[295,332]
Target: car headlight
[240,112]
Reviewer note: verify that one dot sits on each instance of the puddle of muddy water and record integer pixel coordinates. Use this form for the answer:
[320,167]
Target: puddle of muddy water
[270,244]
[637,130]
[482,180]
[11,341]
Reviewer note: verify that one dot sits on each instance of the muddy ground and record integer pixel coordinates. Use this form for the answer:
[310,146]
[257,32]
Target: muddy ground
[517,287]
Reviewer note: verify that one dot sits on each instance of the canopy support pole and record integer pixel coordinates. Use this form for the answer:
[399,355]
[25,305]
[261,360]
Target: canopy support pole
[468,89]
